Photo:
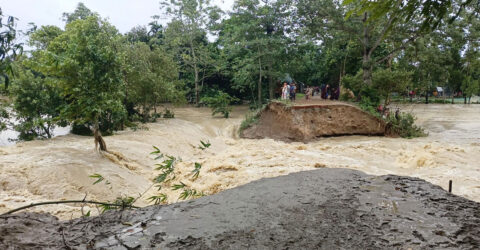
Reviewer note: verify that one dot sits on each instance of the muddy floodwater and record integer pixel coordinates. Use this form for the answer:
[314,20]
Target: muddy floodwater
[59,168]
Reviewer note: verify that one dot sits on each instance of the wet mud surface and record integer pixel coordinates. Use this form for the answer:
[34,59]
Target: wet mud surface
[324,208]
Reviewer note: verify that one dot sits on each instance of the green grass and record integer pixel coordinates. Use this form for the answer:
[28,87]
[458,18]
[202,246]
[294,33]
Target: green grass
[299,96]
[251,118]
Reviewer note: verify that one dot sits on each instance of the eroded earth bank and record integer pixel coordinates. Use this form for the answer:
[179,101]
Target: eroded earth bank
[59,168]
[309,120]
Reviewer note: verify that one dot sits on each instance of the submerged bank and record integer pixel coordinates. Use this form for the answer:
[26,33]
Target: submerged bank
[59,168]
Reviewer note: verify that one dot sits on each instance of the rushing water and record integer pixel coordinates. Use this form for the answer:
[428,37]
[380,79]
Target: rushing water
[9,136]
[59,168]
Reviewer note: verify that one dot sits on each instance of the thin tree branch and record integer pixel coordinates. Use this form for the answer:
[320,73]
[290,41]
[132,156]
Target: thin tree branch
[63,202]
[381,36]
[403,46]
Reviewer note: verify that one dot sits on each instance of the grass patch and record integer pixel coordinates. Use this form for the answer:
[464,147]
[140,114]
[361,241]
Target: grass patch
[251,118]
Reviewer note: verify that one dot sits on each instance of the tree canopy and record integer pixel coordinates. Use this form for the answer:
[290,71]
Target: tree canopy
[90,75]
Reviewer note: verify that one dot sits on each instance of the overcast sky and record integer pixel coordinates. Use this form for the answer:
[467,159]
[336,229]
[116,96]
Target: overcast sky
[124,14]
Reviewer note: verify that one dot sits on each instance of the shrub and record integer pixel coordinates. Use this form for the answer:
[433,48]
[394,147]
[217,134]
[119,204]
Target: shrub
[250,119]
[347,95]
[168,114]
[404,126]
[219,103]
[369,106]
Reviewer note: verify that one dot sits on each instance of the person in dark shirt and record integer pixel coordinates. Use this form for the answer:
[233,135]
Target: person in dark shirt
[293,89]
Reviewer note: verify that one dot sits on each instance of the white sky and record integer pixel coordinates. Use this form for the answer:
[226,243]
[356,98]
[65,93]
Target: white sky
[124,14]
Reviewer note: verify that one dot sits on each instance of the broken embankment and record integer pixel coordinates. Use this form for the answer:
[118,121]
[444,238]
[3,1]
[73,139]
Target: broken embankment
[306,122]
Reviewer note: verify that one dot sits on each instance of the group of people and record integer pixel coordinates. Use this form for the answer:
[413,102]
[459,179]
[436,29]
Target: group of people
[325,92]
[289,91]
[330,93]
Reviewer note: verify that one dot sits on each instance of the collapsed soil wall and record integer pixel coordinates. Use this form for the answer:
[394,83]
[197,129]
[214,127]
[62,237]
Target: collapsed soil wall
[309,121]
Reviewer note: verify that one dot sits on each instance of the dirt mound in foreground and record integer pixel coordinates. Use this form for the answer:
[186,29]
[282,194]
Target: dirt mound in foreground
[305,122]
[325,208]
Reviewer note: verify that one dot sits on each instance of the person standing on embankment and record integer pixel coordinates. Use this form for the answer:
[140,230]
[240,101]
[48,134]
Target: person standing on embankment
[293,89]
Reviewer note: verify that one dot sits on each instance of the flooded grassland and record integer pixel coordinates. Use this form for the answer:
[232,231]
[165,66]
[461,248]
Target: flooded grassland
[59,168]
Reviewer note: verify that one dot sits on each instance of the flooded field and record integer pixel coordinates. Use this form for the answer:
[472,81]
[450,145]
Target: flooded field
[59,168]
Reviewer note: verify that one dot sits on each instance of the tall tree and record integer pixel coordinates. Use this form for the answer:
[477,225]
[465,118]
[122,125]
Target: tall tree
[151,77]
[381,37]
[80,12]
[84,61]
[187,31]
[9,47]
[255,39]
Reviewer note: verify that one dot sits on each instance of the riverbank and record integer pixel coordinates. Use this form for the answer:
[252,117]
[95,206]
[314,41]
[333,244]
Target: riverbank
[58,169]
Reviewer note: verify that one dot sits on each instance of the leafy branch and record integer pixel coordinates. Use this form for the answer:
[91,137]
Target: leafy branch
[196,171]
[204,145]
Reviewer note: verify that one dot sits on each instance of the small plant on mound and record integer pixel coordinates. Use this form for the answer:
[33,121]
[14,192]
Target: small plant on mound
[404,126]
[369,106]
[250,119]
[219,103]
[168,114]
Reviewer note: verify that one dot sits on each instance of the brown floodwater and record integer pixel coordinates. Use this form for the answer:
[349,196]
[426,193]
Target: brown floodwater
[59,168]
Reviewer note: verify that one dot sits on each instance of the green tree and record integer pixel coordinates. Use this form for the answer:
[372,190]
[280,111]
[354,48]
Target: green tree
[387,81]
[151,77]
[255,41]
[220,103]
[186,34]
[9,47]
[41,38]
[36,105]
[84,62]
[81,12]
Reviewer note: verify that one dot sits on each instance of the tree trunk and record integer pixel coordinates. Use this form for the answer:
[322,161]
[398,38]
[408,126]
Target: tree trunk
[271,84]
[197,94]
[195,68]
[342,71]
[426,97]
[99,142]
[366,63]
[47,131]
[367,70]
[259,82]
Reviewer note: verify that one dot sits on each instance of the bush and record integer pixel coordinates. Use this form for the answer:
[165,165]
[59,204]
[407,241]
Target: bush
[250,119]
[404,126]
[36,105]
[347,95]
[369,106]
[219,103]
[168,114]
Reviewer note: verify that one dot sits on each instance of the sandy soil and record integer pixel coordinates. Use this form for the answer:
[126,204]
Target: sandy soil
[59,168]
